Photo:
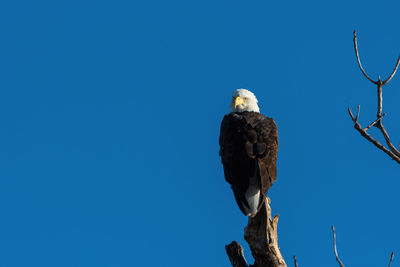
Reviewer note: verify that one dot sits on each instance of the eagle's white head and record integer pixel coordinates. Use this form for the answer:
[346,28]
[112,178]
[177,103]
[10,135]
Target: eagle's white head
[244,100]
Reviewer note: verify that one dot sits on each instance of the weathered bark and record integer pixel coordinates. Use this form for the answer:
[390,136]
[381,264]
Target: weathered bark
[262,237]
[235,254]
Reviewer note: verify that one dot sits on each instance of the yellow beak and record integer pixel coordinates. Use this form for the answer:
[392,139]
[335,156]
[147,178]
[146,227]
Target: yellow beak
[238,101]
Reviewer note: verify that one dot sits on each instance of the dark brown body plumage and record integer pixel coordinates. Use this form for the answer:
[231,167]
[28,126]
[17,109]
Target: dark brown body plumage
[248,146]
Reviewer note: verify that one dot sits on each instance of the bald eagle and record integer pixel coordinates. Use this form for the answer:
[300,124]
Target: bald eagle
[248,149]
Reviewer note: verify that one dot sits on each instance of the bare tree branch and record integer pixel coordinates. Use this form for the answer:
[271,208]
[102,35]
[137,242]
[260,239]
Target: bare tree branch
[334,246]
[364,133]
[358,112]
[391,258]
[373,123]
[379,125]
[392,151]
[235,254]
[393,73]
[295,262]
[379,91]
[358,58]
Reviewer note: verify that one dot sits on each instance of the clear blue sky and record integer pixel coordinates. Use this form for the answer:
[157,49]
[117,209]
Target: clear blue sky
[109,125]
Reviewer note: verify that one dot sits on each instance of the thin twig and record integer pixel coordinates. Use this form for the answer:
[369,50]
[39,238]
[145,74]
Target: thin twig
[387,139]
[391,258]
[379,92]
[334,246]
[393,73]
[358,58]
[372,124]
[351,115]
[358,127]
[358,112]
[295,261]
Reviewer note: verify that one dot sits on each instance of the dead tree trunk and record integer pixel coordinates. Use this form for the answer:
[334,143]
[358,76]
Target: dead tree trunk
[262,236]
